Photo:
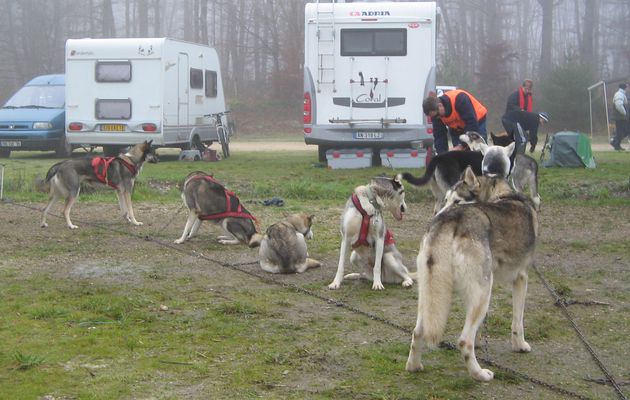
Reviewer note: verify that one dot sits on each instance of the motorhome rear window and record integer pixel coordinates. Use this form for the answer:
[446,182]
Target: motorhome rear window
[211,84]
[113,108]
[373,42]
[196,78]
[113,71]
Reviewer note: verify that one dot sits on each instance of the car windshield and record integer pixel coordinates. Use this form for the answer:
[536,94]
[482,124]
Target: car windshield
[37,97]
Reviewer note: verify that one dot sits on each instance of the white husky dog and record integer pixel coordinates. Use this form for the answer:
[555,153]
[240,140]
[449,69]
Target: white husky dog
[363,229]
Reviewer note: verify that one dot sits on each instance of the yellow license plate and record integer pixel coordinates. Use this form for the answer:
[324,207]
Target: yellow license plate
[113,128]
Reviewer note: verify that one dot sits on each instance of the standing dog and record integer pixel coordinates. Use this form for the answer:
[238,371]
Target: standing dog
[209,200]
[283,248]
[363,229]
[118,173]
[465,249]
[444,171]
[524,172]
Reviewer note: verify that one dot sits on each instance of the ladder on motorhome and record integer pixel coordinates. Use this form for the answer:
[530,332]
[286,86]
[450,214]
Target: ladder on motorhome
[325,31]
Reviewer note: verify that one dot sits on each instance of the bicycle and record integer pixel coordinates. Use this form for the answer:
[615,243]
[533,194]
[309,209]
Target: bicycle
[224,131]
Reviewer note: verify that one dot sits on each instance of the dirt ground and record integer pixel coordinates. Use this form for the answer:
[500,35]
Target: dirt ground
[573,255]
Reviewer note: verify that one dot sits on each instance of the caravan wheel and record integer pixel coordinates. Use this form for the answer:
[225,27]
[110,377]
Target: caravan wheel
[64,149]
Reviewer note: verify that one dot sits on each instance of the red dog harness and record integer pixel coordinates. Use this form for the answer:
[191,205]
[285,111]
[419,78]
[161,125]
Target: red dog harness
[101,167]
[232,203]
[365,226]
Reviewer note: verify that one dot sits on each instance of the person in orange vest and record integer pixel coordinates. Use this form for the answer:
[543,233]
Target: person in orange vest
[522,99]
[457,110]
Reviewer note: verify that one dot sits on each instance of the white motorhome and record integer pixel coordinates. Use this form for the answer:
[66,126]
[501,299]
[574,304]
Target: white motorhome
[367,68]
[120,92]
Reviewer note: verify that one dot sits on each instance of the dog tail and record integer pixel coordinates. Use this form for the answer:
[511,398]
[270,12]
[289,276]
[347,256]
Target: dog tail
[428,174]
[435,288]
[53,171]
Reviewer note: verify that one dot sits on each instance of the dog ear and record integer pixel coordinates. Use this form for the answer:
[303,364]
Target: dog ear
[510,149]
[483,148]
[470,178]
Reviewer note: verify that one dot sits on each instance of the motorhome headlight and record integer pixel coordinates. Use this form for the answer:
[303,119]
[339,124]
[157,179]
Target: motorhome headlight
[42,125]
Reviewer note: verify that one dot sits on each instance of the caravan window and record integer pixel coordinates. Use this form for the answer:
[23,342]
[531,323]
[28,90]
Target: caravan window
[373,42]
[196,78]
[211,84]
[113,71]
[113,108]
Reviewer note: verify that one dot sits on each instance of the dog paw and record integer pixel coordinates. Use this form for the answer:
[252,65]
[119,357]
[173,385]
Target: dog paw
[414,366]
[483,375]
[523,347]
[44,225]
[137,223]
[73,226]
[179,241]
[407,282]
[378,286]
[334,285]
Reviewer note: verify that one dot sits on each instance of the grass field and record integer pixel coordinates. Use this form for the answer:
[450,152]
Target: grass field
[112,311]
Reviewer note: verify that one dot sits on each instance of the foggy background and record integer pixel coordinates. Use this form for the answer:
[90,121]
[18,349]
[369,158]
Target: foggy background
[484,46]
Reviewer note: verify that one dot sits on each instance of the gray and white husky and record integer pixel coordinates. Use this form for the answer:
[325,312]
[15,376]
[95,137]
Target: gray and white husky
[283,248]
[208,200]
[118,173]
[363,230]
[466,248]
[524,171]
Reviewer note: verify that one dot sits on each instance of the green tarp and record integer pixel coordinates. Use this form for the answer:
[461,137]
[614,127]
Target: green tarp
[570,149]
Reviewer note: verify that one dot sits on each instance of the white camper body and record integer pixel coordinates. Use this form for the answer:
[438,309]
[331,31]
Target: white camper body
[122,91]
[367,68]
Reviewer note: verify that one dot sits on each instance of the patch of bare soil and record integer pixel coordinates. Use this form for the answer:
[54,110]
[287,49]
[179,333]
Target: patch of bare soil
[574,255]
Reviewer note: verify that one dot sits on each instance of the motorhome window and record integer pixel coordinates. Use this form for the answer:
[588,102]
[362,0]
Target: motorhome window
[211,84]
[113,108]
[113,71]
[373,42]
[196,78]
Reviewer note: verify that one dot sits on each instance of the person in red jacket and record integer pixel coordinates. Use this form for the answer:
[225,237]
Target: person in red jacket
[522,99]
[457,110]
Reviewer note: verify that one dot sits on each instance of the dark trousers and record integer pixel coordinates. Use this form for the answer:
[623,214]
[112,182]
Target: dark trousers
[515,132]
[622,129]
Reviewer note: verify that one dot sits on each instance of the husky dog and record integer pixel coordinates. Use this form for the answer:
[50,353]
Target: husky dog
[466,247]
[119,173]
[473,189]
[207,199]
[283,248]
[444,171]
[524,171]
[363,229]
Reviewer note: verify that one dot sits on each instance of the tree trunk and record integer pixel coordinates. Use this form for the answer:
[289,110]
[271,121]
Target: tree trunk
[546,38]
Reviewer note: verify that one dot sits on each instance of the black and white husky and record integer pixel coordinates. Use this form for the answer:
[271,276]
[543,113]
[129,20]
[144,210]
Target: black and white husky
[363,230]
[208,200]
[118,173]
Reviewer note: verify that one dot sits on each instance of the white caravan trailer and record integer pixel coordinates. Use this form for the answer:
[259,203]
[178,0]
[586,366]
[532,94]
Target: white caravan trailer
[367,68]
[120,92]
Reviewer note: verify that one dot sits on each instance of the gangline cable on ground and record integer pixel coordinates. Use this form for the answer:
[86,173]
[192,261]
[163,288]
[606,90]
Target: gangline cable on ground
[293,287]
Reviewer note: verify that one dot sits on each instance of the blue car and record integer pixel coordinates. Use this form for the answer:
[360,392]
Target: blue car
[34,118]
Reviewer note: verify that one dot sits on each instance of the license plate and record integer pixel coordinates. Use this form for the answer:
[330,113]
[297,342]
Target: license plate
[368,135]
[10,143]
[113,128]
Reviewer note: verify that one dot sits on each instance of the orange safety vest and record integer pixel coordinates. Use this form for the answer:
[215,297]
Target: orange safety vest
[454,120]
